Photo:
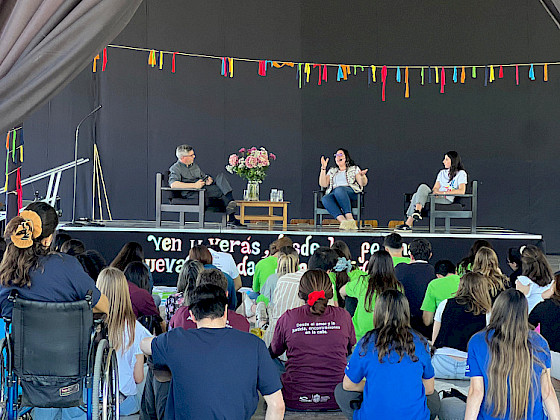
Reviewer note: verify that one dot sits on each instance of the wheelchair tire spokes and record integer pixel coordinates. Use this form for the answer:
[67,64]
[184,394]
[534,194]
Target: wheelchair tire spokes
[111,394]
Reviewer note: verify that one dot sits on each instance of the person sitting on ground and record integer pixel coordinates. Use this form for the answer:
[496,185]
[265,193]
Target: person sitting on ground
[143,303]
[92,262]
[389,375]
[466,263]
[444,286]
[310,335]
[202,254]
[73,247]
[343,183]
[450,181]
[380,277]
[345,272]
[186,283]
[456,320]
[182,317]
[509,366]
[125,335]
[215,364]
[393,244]
[131,251]
[514,262]
[186,174]
[224,262]
[486,263]
[537,275]
[268,265]
[415,278]
[286,293]
[36,273]
[545,315]
[288,262]
[59,239]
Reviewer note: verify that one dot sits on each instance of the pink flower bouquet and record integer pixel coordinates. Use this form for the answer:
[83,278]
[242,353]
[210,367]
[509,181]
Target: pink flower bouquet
[250,164]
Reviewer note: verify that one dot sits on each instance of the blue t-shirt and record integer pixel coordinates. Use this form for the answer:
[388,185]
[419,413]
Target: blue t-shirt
[216,373]
[393,389]
[59,278]
[478,362]
[232,297]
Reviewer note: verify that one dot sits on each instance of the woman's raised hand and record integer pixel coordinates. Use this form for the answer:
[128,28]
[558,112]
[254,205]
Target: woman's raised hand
[324,162]
[363,172]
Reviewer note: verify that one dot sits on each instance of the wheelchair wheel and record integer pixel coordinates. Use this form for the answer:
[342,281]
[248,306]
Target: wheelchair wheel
[111,393]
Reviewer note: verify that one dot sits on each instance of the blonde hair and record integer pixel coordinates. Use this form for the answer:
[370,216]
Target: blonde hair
[473,292]
[288,261]
[112,283]
[486,263]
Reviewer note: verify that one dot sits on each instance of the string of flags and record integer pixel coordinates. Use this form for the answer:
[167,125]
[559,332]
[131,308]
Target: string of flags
[15,153]
[428,74]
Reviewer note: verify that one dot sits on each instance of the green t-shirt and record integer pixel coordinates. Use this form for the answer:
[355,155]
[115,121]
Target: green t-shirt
[263,269]
[438,290]
[398,260]
[357,288]
[332,276]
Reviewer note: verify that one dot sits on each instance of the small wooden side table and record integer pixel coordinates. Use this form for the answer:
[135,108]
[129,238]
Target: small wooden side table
[271,205]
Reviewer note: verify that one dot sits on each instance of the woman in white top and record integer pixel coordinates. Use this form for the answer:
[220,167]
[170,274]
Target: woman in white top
[342,182]
[125,335]
[450,181]
[537,275]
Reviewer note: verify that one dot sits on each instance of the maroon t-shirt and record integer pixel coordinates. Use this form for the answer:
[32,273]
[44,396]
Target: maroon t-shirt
[316,347]
[142,301]
[182,318]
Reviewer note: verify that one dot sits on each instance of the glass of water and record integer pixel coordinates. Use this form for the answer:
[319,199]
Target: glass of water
[273,194]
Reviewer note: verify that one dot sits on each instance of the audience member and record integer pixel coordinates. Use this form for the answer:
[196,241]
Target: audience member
[311,335]
[137,278]
[268,265]
[456,320]
[486,263]
[537,275]
[288,262]
[92,262]
[213,364]
[466,263]
[73,247]
[2,248]
[394,245]
[286,293]
[185,285]
[125,335]
[395,363]
[509,366]
[182,317]
[444,286]
[130,252]
[514,262]
[224,262]
[202,254]
[345,271]
[415,278]
[380,277]
[59,239]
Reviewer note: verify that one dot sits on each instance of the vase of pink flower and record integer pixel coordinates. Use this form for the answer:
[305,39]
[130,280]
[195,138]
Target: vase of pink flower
[252,165]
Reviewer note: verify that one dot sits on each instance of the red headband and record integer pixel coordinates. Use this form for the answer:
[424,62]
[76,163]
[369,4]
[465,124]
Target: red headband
[315,296]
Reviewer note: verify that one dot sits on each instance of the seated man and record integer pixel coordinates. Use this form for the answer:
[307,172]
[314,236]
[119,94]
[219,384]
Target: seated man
[394,246]
[444,286]
[217,371]
[186,174]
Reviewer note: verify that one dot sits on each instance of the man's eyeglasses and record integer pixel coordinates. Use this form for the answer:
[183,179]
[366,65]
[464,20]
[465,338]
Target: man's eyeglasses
[190,155]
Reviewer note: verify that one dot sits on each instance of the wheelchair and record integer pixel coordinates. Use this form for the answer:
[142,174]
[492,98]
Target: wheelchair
[55,355]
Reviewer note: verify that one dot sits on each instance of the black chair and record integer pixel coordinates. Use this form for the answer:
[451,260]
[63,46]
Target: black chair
[169,200]
[319,210]
[464,206]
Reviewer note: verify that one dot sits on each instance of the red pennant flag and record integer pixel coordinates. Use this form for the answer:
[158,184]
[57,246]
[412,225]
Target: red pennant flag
[324,73]
[383,80]
[319,80]
[442,90]
[173,63]
[19,189]
[104,59]
[501,73]
[262,68]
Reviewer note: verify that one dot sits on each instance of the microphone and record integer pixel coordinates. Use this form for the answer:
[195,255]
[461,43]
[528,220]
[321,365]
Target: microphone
[76,166]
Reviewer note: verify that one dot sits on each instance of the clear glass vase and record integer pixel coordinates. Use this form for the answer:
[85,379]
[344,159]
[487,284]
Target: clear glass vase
[253,190]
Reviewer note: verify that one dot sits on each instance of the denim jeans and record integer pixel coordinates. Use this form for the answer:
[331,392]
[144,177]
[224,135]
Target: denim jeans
[446,367]
[339,201]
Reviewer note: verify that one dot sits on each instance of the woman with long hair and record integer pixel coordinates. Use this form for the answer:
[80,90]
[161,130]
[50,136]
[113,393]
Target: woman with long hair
[391,366]
[455,322]
[137,278]
[380,277]
[186,282]
[486,263]
[130,252]
[125,334]
[509,366]
[537,275]
[343,183]
[317,338]
[345,271]
[288,262]
[466,263]
[450,181]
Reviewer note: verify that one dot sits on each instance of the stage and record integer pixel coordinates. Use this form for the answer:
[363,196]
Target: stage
[166,247]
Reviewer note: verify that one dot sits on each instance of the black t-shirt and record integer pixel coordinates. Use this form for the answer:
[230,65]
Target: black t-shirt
[415,278]
[547,313]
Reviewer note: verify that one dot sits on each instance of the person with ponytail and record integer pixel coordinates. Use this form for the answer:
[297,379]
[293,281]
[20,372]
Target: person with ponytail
[389,375]
[537,275]
[509,366]
[317,338]
[125,335]
[345,271]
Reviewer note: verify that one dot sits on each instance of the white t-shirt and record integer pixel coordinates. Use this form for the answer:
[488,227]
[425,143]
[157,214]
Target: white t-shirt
[535,291]
[339,180]
[225,263]
[446,185]
[127,360]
